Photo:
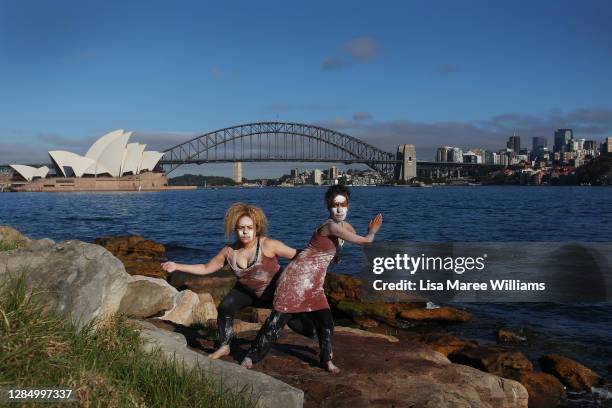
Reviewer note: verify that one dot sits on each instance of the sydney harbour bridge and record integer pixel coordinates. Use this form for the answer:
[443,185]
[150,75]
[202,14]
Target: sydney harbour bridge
[297,142]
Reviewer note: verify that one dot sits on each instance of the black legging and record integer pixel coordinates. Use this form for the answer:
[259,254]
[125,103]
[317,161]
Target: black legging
[239,298]
[271,330]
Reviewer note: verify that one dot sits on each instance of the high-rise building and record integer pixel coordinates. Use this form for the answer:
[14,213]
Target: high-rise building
[562,138]
[333,173]
[539,142]
[317,176]
[590,145]
[514,143]
[295,173]
[237,172]
[607,146]
[442,153]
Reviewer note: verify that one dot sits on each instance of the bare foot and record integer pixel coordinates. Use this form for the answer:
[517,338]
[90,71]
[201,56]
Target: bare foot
[247,363]
[222,351]
[331,368]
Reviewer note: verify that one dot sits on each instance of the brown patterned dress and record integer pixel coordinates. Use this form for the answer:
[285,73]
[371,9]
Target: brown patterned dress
[300,286]
[257,276]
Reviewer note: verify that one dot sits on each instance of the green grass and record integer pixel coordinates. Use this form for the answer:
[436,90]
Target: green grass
[9,245]
[105,367]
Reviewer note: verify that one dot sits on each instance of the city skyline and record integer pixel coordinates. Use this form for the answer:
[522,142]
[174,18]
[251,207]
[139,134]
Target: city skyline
[402,73]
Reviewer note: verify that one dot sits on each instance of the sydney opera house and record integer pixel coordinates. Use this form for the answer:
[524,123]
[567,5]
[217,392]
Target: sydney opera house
[111,163]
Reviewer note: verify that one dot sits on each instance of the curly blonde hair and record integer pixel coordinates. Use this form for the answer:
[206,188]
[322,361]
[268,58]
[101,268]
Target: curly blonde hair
[238,210]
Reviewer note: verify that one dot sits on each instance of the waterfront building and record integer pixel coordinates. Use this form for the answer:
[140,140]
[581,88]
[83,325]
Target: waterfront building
[333,173]
[471,157]
[295,173]
[607,146]
[317,177]
[442,153]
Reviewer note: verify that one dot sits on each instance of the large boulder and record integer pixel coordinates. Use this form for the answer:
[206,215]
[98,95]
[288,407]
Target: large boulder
[571,373]
[185,302]
[494,360]
[140,256]
[146,297]
[545,391]
[205,310]
[218,284]
[80,281]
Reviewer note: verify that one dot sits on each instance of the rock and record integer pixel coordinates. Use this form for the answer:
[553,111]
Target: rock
[355,299]
[79,280]
[494,360]
[139,255]
[218,284]
[365,322]
[10,238]
[507,336]
[363,333]
[242,326]
[260,315]
[205,310]
[182,312]
[265,391]
[545,391]
[571,373]
[379,373]
[447,344]
[439,314]
[147,297]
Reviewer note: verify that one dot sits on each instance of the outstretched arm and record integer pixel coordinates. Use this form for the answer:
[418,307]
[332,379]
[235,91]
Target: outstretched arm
[273,247]
[348,234]
[200,269]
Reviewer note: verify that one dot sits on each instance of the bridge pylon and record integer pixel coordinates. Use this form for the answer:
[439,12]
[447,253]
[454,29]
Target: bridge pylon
[406,169]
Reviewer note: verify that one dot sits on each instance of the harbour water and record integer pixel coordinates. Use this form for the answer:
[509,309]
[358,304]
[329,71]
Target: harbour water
[190,224]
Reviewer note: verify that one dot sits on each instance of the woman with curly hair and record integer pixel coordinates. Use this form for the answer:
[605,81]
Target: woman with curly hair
[300,287]
[253,258]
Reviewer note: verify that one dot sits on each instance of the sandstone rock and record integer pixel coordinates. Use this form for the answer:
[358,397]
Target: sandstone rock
[508,336]
[242,326]
[545,391]
[260,315]
[494,360]
[378,373]
[10,238]
[571,373]
[147,297]
[140,256]
[363,333]
[447,344]
[205,310]
[79,280]
[357,300]
[182,312]
[365,322]
[440,314]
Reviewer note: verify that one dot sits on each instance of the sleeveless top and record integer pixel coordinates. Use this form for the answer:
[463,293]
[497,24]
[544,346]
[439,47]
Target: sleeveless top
[257,276]
[300,286]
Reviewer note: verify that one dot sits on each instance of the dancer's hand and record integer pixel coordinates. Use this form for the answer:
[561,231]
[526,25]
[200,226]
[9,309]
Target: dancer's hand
[375,223]
[169,266]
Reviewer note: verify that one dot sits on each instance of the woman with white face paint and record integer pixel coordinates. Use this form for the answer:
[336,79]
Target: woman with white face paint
[254,260]
[300,287]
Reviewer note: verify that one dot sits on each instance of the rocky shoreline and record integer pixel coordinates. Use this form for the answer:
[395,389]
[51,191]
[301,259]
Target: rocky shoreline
[385,361]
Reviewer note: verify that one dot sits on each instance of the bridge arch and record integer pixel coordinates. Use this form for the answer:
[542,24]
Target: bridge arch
[277,141]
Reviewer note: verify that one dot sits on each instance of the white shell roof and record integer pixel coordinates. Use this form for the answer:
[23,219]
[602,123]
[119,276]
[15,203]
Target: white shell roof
[79,164]
[149,160]
[29,172]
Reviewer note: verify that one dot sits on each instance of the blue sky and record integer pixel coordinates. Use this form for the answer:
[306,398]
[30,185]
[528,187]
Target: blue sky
[430,73]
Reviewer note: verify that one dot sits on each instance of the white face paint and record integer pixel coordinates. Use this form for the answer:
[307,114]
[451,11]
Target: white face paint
[245,229]
[339,208]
